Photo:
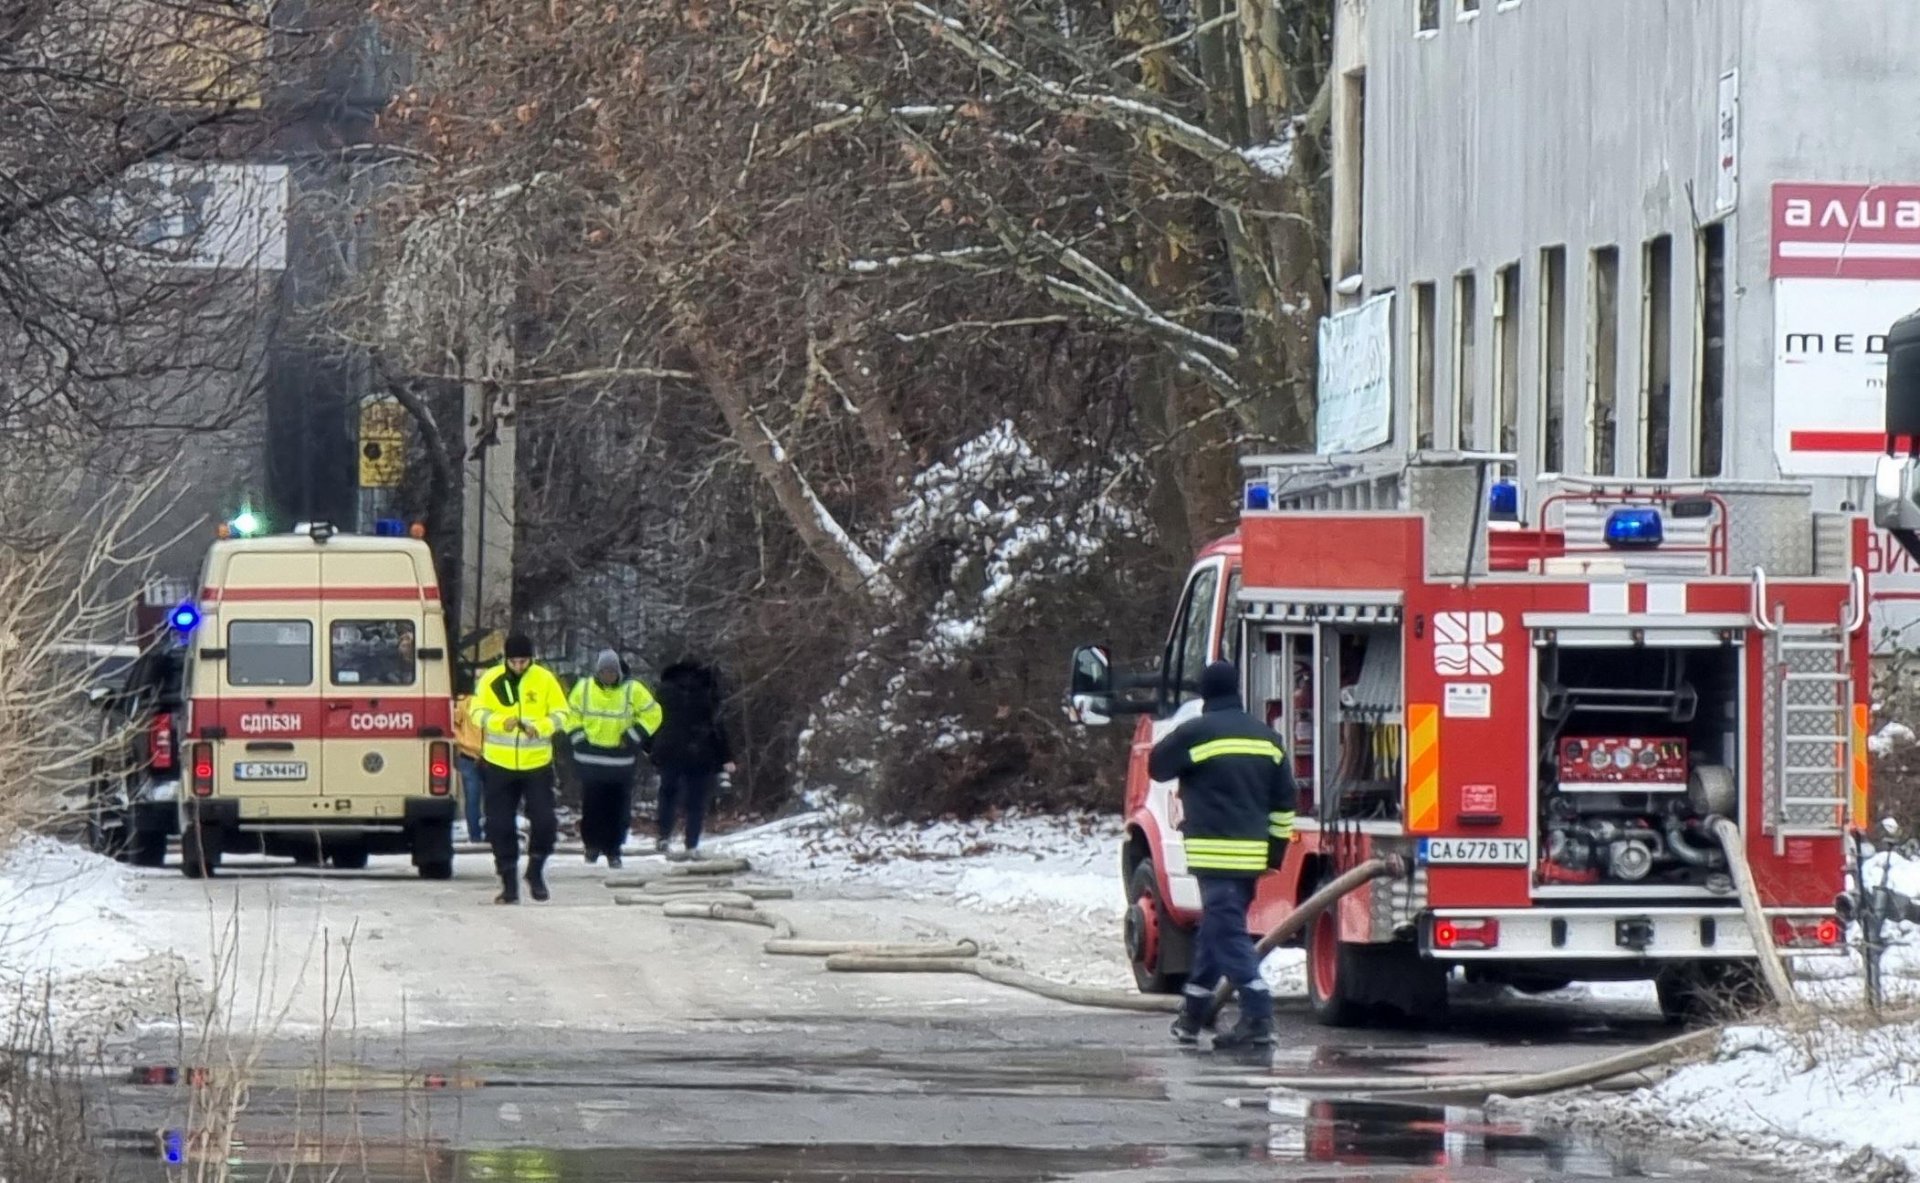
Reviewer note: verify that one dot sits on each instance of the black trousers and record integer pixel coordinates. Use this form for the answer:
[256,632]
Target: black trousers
[507,793]
[681,790]
[606,805]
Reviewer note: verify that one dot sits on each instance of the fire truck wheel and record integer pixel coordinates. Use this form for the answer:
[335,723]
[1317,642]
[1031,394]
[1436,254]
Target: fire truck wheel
[1332,965]
[1151,935]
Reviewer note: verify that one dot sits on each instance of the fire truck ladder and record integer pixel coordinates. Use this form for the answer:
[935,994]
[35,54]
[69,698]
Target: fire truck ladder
[1810,671]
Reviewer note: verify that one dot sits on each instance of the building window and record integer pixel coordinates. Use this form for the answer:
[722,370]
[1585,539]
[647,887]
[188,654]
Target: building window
[1425,299]
[1709,458]
[1506,357]
[1553,357]
[1603,370]
[1465,359]
[1469,8]
[1353,176]
[1428,12]
[1656,355]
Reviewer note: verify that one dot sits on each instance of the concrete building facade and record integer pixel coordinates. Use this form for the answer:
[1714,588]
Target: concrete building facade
[1647,238]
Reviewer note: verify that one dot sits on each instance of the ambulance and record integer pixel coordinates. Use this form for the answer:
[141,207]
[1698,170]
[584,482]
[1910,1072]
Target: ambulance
[319,703]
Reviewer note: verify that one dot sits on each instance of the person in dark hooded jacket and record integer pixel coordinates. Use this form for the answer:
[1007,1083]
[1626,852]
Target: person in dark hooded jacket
[690,749]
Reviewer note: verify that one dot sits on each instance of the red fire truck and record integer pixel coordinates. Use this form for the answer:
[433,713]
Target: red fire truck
[1542,718]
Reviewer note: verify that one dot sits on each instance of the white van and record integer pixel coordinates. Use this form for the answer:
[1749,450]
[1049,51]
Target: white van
[320,712]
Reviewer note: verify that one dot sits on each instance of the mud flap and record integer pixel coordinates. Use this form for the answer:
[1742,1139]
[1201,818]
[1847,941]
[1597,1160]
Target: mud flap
[1395,977]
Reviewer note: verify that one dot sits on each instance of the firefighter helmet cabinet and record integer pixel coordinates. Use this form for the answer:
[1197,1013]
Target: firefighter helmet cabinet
[1544,718]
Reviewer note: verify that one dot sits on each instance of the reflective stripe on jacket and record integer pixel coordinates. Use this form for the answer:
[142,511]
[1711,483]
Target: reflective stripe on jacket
[501,702]
[610,723]
[1236,790]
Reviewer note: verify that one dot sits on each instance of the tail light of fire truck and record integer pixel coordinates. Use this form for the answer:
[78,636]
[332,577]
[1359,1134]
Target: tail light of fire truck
[1466,933]
[1806,934]
[439,769]
[160,742]
[203,770]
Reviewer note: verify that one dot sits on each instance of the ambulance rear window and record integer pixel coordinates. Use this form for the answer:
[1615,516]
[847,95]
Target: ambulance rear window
[270,653]
[373,653]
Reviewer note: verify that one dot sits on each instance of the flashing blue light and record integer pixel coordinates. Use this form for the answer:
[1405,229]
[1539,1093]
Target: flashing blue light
[1634,526]
[174,1148]
[389,528]
[1503,502]
[1259,496]
[185,618]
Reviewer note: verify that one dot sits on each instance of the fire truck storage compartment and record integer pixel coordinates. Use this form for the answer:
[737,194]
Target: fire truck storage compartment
[1333,693]
[1638,749]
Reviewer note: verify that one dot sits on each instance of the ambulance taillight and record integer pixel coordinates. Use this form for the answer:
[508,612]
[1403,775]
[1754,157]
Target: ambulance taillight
[203,770]
[439,769]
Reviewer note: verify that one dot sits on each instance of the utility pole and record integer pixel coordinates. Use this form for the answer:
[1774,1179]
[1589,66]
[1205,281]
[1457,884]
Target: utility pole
[488,484]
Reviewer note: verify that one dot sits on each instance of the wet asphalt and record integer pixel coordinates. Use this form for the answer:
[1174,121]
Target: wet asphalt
[1077,1096]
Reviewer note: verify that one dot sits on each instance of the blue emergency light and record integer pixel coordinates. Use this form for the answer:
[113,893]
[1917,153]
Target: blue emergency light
[1503,502]
[185,618]
[1634,526]
[173,1148]
[389,528]
[1259,496]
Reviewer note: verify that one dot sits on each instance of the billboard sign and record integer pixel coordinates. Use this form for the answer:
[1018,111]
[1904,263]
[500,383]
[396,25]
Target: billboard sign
[1825,231]
[1830,371]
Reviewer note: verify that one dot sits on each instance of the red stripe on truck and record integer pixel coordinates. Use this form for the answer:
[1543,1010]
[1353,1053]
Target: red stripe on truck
[215,595]
[388,716]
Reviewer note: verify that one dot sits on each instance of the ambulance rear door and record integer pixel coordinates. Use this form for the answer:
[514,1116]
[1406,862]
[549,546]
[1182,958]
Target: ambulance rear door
[268,707]
[373,627]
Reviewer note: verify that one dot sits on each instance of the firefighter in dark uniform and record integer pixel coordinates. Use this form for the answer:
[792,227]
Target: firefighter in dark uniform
[1238,797]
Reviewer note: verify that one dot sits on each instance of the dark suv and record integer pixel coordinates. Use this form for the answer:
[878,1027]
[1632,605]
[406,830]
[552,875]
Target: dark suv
[133,798]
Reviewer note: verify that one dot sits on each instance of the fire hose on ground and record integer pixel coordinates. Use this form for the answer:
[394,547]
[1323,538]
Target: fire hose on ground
[705,891]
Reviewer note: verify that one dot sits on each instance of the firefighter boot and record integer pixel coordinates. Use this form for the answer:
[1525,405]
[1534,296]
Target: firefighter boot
[1194,1017]
[509,883]
[537,879]
[1255,1028]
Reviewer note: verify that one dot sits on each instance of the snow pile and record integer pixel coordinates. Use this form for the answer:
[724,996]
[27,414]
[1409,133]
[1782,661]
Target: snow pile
[69,946]
[1013,863]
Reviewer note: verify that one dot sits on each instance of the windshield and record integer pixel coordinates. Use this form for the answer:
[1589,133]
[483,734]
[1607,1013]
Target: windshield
[373,653]
[269,653]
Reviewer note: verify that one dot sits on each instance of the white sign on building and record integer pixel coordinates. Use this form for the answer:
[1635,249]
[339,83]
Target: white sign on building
[204,216]
[1830,371]
[1726,189]
[1355,409]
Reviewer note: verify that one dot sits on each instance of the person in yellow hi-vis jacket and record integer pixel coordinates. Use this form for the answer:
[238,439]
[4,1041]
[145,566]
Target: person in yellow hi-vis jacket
[614,718]
[519,708]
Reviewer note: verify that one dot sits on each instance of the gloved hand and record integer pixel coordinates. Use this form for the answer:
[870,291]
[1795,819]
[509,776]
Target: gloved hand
[1277,852]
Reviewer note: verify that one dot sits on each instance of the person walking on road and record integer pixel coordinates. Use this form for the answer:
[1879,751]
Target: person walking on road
[690,749]
[519,708]
[466,738]
[614,718]
[1238,798]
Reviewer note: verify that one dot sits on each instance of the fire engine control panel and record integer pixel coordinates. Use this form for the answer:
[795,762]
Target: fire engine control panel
[1610,764]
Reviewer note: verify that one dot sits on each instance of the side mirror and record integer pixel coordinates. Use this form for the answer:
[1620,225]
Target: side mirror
[1090,687]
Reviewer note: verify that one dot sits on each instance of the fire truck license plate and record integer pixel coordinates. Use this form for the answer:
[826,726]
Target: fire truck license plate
[270,770]
[1478,851]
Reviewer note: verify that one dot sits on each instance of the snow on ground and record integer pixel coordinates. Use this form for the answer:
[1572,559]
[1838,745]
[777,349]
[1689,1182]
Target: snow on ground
[1059,875]
[70,947]
[1839,1093]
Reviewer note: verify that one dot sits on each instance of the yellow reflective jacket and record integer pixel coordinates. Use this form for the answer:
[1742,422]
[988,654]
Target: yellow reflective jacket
[466,733]
[501,702]
[611,722]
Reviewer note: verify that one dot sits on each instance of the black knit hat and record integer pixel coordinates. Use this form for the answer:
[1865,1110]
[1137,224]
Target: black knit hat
[1220,680]
[519,645]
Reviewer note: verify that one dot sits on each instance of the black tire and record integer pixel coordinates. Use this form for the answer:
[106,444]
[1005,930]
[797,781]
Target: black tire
[1333,967]
[436,869]
[105,839]
[349,858]
[149,848]
[199,851]
[1151,935]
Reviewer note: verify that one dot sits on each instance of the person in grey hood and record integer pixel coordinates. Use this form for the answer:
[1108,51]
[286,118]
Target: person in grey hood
[614,719]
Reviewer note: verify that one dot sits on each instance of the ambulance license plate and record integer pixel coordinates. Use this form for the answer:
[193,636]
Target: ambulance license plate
[1485,852]
[270,770]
